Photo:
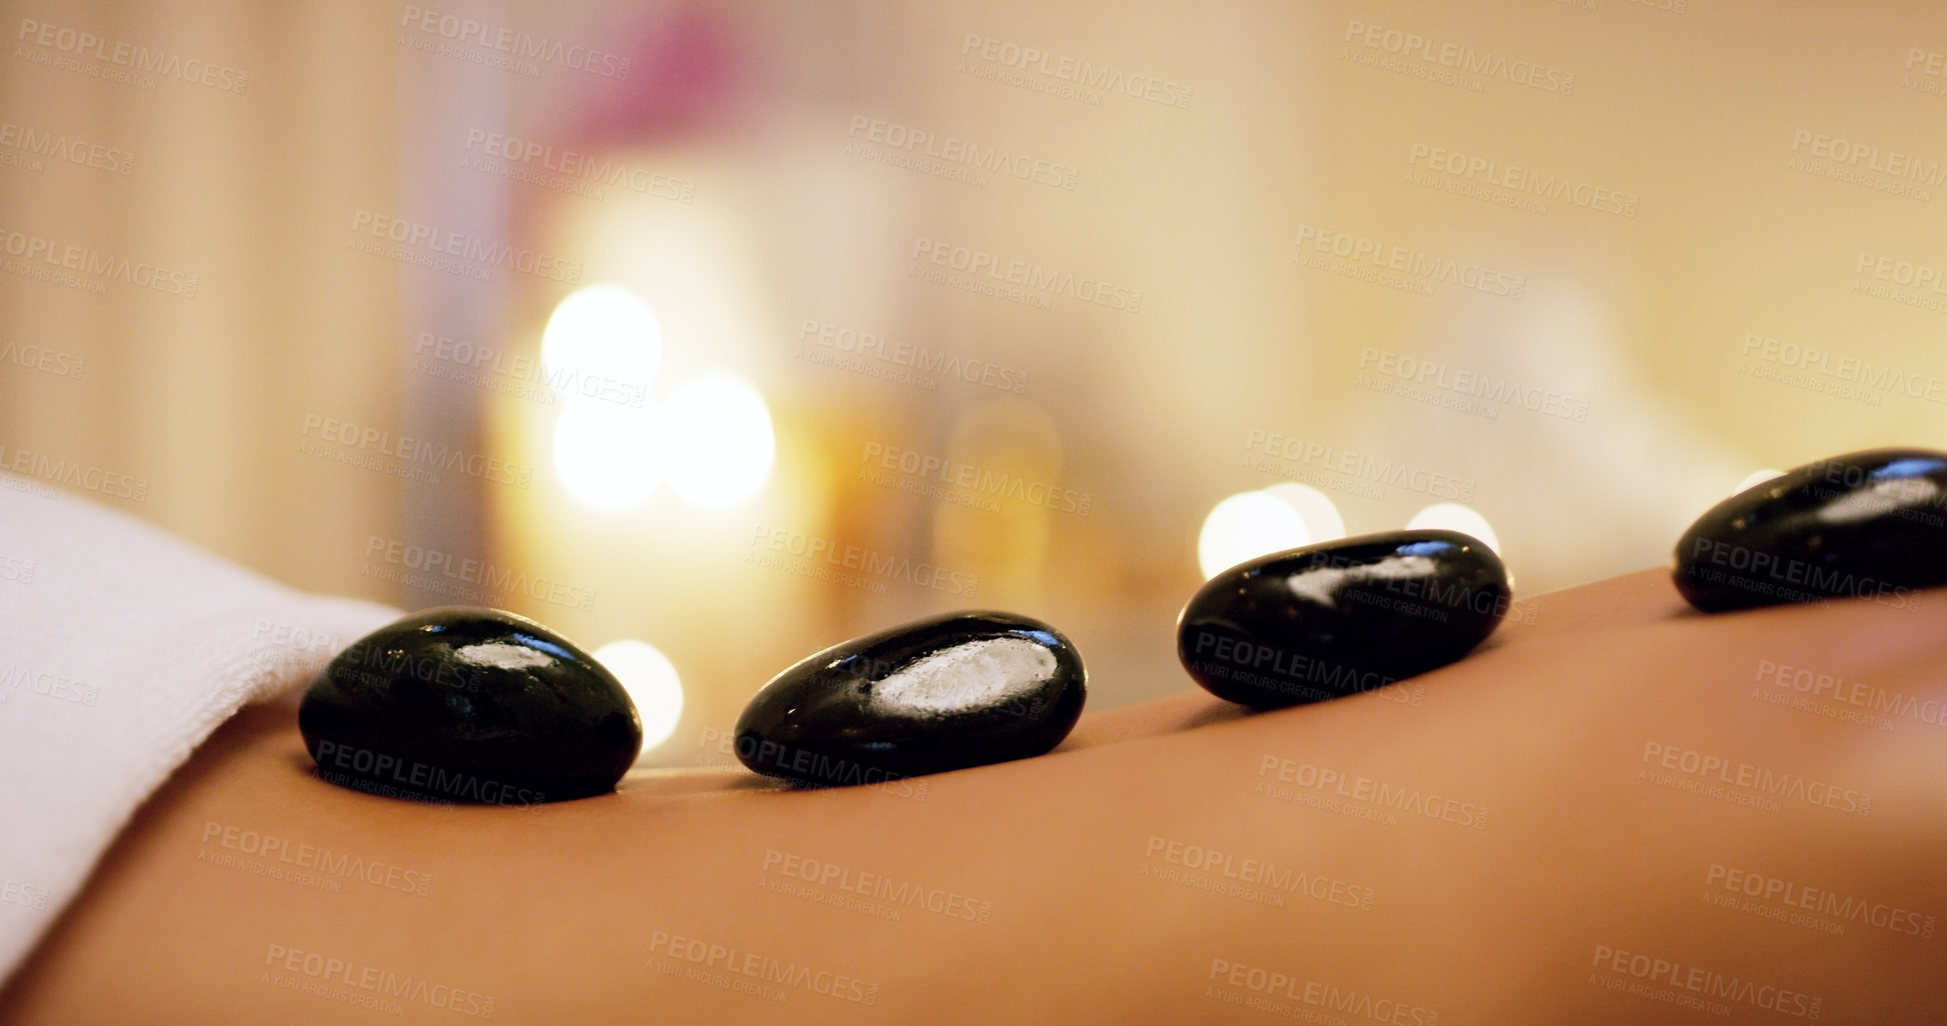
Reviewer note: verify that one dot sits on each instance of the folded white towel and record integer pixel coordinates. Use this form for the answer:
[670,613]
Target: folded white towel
[121,649]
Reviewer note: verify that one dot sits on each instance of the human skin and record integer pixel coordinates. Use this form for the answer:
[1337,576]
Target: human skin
[1565,841]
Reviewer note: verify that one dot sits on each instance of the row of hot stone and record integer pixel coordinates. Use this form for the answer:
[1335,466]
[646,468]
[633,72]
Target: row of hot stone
[478,705]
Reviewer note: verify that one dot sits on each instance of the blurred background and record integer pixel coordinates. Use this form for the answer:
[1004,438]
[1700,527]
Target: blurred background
[716,333]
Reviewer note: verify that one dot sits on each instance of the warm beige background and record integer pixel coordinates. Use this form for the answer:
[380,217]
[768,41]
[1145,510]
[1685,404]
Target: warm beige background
[1642,320]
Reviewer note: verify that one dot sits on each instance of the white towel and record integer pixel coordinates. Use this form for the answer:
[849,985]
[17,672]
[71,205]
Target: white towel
[121,649]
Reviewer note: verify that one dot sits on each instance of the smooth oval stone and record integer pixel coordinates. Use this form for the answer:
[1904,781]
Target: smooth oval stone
[461,704]
[1869,524]
[944,693]
[1341,617]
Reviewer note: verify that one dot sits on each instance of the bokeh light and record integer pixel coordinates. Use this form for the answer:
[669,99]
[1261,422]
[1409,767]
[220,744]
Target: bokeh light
[606,454]
[601,342]
[1245,526]
[1322,520]
[1757,478]
[718,445]
[651,681]
[1454,516]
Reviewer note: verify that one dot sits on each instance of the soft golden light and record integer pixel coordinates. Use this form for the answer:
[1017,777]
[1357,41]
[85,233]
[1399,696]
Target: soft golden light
[602,340]
[1245,526]
[1321,515]
[1455,516]
[718,446]
[652,683]
[606,454]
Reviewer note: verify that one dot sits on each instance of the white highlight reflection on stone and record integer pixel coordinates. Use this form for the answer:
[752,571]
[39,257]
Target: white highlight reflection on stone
[974,673]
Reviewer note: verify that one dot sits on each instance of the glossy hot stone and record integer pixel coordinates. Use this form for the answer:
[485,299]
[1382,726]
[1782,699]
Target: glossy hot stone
[469,705]
[1334,619]
[945,693]
[1867,525]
